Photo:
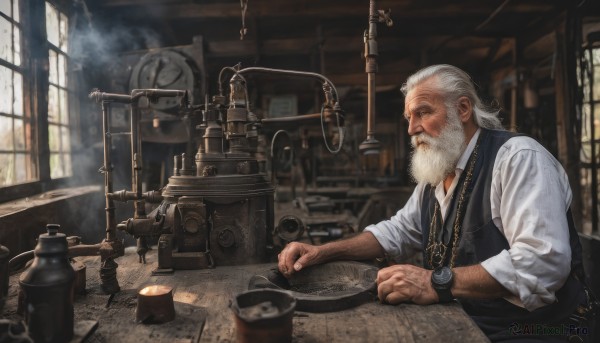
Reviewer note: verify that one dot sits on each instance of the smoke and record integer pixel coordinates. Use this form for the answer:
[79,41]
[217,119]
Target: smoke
[92,46]
[96,48]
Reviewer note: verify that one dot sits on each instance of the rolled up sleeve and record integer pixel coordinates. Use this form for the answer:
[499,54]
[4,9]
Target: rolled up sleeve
[530,196]
[400,236]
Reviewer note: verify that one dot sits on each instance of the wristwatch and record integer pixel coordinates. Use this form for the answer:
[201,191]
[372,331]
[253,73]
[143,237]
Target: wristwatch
[441,281]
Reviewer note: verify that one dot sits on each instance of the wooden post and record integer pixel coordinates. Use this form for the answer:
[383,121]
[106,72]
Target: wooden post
[565,81]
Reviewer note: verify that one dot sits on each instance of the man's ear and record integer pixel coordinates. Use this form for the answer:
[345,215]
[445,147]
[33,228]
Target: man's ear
[465,109]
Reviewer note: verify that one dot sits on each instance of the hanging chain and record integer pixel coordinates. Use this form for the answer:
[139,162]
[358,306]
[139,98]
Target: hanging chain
[437,250]
[243,30]
[461,200]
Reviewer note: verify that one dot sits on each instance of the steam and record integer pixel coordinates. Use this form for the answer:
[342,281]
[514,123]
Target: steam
[96,48]
[90,46]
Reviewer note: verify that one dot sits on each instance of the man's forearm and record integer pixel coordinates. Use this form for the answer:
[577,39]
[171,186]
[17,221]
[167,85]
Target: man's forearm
[475,282]
[361,247]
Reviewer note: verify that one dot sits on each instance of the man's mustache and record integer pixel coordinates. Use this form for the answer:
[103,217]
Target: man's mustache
[421,138]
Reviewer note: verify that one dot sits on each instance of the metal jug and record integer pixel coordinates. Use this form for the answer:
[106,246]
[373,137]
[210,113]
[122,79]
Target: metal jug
[48,290]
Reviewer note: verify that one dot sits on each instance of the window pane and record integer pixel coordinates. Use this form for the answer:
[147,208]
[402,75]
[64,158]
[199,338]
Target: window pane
[27,133]
[59,139]
[65,138]
[19,134]
[595,56]
[67,165]
[17,52]
[64,32]
[596,83]
[22,168]
[56,166]
[53,67]
[18,99]
[52,24]
[6,40]
[16,14]
[7,163]
[53,109]
[6,133]
[62,70]
[64,108]
[5,7]
[585,122]
[586,88]
[54,138]
[5,90]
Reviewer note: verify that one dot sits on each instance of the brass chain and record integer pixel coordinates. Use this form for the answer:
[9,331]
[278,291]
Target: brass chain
[437,250]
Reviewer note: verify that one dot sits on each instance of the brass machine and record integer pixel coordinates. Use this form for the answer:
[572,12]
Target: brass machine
[217,208]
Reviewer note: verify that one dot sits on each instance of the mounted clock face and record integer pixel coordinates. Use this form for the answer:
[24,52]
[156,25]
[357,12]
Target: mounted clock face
[165,69]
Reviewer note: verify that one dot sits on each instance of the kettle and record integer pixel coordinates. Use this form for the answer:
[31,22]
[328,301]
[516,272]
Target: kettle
[47,289]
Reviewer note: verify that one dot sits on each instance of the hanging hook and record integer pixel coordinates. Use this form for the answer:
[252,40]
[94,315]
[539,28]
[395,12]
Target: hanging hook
[384,17]
[243,30]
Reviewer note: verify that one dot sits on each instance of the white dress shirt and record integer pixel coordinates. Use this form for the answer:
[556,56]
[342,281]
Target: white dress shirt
[529,198]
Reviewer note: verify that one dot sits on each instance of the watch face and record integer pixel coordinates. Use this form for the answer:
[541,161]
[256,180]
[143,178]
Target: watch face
[442,276]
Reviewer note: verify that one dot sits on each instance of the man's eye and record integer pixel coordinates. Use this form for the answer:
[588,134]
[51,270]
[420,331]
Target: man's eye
[418,114]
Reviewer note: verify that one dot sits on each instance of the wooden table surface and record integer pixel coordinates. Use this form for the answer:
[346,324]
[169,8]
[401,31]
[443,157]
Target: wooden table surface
[202,299]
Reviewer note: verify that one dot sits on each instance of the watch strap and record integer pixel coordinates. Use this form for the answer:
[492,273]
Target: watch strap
[444,294]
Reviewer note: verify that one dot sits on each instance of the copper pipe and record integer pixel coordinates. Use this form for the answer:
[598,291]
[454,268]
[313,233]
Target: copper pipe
[371,145]
[136,140]
[136,161]
[292,119]
[110,97]
[123,195]
[74,251]
[291,73]
[111,223]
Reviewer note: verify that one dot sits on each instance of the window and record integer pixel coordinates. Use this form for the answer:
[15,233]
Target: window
[590,134]
[59,137]
[16,150]
[39,116]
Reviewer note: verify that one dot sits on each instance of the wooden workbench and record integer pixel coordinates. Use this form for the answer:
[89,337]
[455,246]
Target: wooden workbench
[202,300]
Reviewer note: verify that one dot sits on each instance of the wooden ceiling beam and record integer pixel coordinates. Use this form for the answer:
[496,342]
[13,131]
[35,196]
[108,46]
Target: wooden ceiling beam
[360,79]
[313,9]
[302,46]
[305,46]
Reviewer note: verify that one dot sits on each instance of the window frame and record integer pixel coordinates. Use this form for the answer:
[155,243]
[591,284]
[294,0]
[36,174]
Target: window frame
[589,164]
[64,109]
[24,117]
[34,69]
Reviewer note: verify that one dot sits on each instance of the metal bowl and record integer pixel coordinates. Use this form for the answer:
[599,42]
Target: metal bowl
[263,315]
[326,287]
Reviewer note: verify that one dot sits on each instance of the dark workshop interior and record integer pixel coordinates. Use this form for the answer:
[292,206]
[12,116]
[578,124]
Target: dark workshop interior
[207,134]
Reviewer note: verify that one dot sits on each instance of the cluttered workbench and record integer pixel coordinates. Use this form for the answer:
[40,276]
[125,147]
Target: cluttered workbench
[215,229]
[202,306]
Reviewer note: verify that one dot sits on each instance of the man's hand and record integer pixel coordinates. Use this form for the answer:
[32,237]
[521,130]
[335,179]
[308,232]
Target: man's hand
[296,256]
[405,283]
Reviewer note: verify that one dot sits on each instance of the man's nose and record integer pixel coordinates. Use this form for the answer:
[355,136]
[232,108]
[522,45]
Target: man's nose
[414,125]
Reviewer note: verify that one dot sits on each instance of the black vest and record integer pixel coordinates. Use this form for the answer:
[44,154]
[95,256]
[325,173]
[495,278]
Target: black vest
[481,239]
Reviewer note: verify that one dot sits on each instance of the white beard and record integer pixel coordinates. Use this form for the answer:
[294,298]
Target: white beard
[433,161]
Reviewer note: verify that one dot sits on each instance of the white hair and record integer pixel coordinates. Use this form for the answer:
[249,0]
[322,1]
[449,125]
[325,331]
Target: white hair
[454,83]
